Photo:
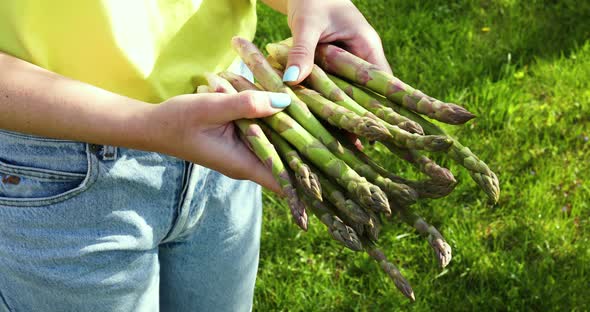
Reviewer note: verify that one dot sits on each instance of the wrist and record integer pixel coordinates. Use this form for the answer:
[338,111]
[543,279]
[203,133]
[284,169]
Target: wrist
[135,127]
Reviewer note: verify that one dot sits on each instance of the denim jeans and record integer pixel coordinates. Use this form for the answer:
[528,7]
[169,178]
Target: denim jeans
[97,228]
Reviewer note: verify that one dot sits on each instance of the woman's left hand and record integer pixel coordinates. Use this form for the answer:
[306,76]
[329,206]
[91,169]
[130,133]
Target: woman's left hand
[313,22]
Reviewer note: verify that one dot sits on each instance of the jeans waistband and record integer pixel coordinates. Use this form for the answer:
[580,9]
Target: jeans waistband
[103,152]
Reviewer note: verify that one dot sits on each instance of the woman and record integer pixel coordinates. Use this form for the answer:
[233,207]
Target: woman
[108,203]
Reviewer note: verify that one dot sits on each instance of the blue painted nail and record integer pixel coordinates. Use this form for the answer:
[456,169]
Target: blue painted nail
[291,74]
[279,100]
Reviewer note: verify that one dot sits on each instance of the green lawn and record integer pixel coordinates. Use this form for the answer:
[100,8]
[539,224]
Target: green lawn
[524,68]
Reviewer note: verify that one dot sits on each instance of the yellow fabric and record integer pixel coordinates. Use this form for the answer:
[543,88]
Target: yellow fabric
[145,49]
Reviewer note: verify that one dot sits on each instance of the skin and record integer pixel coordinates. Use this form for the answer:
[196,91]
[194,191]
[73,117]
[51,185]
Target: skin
[194,127]
[327,21]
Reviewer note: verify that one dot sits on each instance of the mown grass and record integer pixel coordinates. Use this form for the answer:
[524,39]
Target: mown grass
[524,68]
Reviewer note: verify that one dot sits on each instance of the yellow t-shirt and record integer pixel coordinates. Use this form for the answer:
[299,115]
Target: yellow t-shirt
[145,49]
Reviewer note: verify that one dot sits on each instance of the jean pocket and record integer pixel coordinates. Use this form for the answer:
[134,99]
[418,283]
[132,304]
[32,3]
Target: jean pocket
[38,171]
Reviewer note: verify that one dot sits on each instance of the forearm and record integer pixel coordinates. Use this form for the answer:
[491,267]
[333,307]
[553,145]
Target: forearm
[277,5]
[36,101]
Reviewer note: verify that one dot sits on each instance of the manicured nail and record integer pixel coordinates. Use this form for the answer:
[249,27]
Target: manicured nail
[291,74]
[279,100]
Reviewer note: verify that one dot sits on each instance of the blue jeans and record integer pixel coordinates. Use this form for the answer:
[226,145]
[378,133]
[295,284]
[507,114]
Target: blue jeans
[94,228]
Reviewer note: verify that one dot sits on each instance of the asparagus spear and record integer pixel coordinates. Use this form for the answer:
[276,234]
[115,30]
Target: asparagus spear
[242,84]
[270,80]
[336,227]
[392,271]
[479,170]
[345,207]
[259,144]
[423,163]
[344,64]
[341,117]
[319,81]
[368,195]
[397,135]
[375,107]
[373,229]
[305,176]
[431,188]
[441,248]
[204,89]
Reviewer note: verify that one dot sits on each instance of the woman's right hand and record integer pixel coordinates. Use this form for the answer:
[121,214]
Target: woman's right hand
[199,128]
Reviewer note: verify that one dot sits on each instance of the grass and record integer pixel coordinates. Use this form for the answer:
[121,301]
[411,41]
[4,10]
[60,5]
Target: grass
[524,68]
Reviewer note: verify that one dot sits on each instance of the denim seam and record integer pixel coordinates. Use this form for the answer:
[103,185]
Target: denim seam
[39,172]
[181,218]
[4,303]
[89,179]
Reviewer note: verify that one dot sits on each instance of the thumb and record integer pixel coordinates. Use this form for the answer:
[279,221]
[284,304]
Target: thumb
[222,108]
[301,54]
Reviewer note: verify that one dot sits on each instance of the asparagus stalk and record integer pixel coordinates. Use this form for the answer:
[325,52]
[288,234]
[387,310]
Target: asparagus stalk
[441,248]
[238,82]
[345,207]
[397,135]
[368,195]
[270,80]
[479,170]
[254,137]
[430,188]
[392,271]
[319,81]
[336,227]
[305,176]
[426,165]
[341,117]
[368,102]
[373,229]
[219,85]
[389,186]
[344,64]
[259,144]
[204,89]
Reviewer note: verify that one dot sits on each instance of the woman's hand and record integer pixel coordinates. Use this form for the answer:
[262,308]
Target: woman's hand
[313,22]
[199,128]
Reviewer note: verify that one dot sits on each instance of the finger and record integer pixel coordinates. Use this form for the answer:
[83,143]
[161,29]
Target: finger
[237,161]
[221,108]
[368,46]
[301,54]
[259,173]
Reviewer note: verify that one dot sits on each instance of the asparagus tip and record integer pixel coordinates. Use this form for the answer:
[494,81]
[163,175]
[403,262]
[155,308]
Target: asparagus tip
[411,127]
[373,130]
[459,115]
[442,249]
[309,183]
[345,234]
[489,183]
[405,288]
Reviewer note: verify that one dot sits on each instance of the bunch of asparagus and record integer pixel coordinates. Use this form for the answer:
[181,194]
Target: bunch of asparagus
[309,150]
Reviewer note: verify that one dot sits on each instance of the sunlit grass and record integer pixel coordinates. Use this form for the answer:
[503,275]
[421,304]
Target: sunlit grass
[524,68]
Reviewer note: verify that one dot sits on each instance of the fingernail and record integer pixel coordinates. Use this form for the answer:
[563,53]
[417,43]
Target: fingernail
[291,74]
[279,100]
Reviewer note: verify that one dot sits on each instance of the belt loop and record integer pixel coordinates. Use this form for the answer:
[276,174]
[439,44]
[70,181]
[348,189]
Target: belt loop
[104,152]
[108,152]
